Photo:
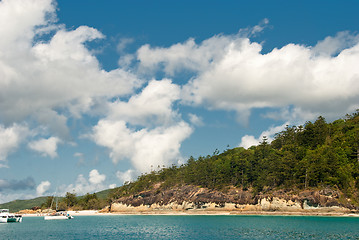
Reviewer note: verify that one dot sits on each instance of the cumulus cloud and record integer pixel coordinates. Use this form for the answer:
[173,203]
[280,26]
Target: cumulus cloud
[331,46]
[94,183]
[10,139]
[47,147]
[95,177]
[123,43]
[158,146]
[231,73]
[195,120]
[248,140]
[253,31]
[42,79]
[19,20]
[56,123]
[292,115]
[146,129]
[153,106]
[126,176]
[43,187]
[188,55]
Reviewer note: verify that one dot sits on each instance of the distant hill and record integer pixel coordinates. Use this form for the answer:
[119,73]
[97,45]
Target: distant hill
[18,205]
[103,194]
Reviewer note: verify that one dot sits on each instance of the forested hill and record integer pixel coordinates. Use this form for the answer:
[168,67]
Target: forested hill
[317,155]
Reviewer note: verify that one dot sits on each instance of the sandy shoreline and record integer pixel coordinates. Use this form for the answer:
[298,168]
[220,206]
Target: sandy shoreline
[199,212]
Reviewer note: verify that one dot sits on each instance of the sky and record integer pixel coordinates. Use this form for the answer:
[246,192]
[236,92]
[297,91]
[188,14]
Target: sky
[94,93]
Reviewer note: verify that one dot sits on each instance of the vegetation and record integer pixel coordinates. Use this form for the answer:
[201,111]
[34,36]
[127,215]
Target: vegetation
[18,205]
[316,155]
[70,201]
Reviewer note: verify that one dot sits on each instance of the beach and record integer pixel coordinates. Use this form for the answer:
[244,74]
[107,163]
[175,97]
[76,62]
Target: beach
[200,212]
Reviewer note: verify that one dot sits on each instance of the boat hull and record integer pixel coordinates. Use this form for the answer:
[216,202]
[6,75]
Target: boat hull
[10,219]
[57,217]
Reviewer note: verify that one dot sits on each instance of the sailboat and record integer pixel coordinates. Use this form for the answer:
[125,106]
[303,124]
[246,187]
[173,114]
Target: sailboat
[59,214]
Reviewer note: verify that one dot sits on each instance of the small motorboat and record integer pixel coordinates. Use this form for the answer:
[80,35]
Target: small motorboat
[6,216]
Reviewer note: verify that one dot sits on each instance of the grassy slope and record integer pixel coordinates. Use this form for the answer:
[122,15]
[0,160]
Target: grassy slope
[103,194]
[18,205]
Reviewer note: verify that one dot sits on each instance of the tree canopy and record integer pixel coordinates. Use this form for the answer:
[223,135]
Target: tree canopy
[316,155]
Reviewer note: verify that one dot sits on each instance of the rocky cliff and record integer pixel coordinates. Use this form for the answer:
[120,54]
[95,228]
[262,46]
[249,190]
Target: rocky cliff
[187,198]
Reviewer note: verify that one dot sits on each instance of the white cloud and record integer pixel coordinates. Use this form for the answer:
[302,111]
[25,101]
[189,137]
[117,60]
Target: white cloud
[47,147]
[126,176]
[248,141]
[18,19]
[95,177]
[126,60]
[253,31]
[246,79]
[331,46]
[233,74]
[55,122]
[195,120]
[296,116]
[10,139]
[179,56]
[146,129]
[48,75]
[45,78]
[153,106]
[123,43]
[94,183]
[43,187]
[159,146]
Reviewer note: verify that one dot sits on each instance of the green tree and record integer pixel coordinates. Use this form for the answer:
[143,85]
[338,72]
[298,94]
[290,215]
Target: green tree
[89,201]
[48,203]
[70,199]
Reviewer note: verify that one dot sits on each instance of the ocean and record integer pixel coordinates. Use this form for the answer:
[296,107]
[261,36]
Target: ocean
[183,227]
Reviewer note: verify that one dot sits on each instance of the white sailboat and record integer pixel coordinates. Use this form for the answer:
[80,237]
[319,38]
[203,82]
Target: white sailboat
[59,214]
[6,216]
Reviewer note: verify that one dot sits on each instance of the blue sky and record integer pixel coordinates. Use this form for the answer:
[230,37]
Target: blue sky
[94,93]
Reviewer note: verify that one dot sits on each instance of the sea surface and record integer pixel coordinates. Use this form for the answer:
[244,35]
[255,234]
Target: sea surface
[184,227]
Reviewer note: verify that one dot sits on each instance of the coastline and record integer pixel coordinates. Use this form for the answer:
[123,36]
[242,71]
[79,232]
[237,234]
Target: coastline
[201,213]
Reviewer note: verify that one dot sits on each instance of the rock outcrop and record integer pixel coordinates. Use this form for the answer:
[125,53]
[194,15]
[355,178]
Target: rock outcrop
[235,200]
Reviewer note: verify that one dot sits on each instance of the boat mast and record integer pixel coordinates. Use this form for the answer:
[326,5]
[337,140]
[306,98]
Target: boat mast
[52,201]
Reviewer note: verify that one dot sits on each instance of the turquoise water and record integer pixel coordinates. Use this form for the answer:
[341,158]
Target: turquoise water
[184,227]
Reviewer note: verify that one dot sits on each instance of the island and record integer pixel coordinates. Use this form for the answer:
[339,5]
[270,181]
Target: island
[306,170]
